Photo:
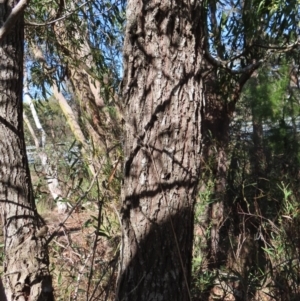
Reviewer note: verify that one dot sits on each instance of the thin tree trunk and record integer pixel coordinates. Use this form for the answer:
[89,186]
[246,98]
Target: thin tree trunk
[163,108]
[31,130]
[221,96]
[88,94]
[75,128]
[257,259]
[68,113]
[26,275]
[51,175]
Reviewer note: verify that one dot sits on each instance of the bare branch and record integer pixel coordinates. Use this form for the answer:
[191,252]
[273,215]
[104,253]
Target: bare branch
[217,62]
[271,49]
[280,48]
[12,18]
[215,28]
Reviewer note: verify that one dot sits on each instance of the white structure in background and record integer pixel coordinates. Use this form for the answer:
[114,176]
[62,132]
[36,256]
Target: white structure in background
[51,175]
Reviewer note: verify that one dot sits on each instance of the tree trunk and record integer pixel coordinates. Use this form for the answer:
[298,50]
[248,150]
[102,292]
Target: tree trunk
[26,275]
[86,88]
[257,258]
[222,91]
[50,172]
[163,100]
[75,127]
[68,113]
[218,113]
[258,154]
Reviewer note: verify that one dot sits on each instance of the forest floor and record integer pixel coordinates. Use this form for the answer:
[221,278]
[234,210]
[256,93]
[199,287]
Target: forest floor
[83,257]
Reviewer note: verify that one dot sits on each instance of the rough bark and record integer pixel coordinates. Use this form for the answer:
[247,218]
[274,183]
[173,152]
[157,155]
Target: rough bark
[26,275]
[163,100]
[216,128]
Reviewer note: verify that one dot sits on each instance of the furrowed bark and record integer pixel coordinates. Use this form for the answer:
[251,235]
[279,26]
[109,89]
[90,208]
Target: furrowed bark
[26,275]
[163,102]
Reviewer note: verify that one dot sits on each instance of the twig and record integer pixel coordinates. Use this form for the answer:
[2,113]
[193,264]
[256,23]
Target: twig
[80,273]
[100,203]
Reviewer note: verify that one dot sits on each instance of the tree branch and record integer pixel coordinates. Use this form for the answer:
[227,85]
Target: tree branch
[217,62]
[12,18]
[280,48]
[58,19]
[215,28]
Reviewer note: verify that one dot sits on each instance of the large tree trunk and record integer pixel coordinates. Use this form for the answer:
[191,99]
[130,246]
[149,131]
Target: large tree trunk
[163,101]
[26,275]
